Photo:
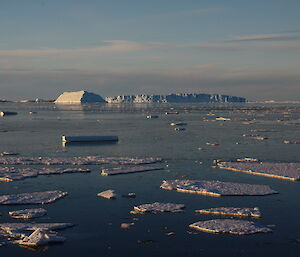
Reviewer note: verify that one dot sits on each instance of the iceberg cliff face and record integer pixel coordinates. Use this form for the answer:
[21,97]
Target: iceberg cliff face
[176,98]
[79,97]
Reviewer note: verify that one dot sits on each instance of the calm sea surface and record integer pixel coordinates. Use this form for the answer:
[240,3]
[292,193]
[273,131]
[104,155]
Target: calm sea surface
[97,231]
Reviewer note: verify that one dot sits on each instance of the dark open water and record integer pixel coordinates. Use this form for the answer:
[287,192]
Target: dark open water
[97,220]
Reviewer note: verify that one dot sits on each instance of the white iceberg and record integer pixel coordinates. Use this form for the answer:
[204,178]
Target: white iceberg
[79,97]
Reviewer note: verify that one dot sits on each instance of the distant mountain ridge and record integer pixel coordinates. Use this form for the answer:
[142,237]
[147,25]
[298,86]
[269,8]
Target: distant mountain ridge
[176,98]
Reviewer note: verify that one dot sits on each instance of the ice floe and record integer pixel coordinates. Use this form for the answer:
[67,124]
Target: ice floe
[9,227]
[232,211]
[82,160]
[157,208]
[8,153]
[216,188]
[32,234]
[231,226]
[28,213]
[108,194]
[126,225]
[32,198]
[40,237]
[290,171]
[291,142]
[127,170]
[9,174]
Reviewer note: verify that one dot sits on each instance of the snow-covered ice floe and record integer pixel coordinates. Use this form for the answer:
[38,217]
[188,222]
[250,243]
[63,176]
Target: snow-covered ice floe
[108,194]
[290,171]
[231,226]
[32,198]
[127,170]
[9,227]
[216,188]
[39,238]
[82,160]
[28,213]
[9,174]
[157,208]
[32,234]
[232,211]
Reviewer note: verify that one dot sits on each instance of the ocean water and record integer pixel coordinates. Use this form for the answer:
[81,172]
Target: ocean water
[97,220]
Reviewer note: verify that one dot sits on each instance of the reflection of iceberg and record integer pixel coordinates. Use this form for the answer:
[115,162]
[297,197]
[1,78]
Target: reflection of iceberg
[79,97]
[69,107]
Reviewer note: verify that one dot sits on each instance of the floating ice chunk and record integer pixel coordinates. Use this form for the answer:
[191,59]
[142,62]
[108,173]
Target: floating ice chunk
[222,119]
[33,226]
[157,207]
[28,213]
[152,116]
[260,138]
[247,159]
[231,211]
[8,153]
[263,130]
[179,129]
[250,135]
[231,226]
[32,198]
[126,225]
[70,139]
[7,113]
[290,171]
[127,170]
[42,232]
[130,195]
[40,237]
[108,194]
[52,171]
[178,123]
[83,160]
[12,174]
[216,188]
[291,142]
[212,144]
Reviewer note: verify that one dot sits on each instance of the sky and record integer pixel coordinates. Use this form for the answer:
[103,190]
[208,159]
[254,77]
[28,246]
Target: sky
[235,47]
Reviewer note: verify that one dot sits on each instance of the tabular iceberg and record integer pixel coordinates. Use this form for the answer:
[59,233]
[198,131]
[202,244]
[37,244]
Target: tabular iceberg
[79,97]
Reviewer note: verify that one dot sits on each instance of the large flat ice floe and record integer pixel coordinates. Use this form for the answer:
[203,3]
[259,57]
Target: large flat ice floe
[32,198]
[39,238]
[82,160]
[10,227]
[157,208]
[216,188]
[290,171]
[231,226]
[127,170]
[232,211]
[8,174]
[28,213]
[32,234]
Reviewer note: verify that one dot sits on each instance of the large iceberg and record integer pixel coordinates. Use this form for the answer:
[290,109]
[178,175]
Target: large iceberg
[79,97]
[175,98]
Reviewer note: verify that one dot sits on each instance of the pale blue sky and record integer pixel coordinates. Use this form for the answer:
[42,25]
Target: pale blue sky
[238,47]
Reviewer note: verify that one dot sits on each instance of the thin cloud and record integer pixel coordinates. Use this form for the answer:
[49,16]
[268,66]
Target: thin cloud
[267,37]
[108,47]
